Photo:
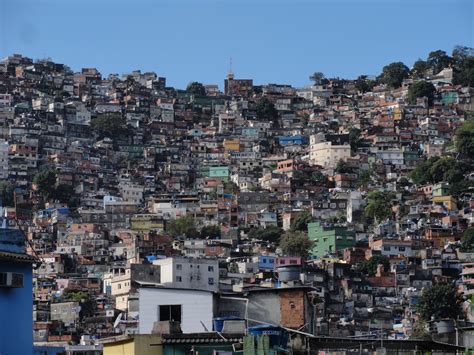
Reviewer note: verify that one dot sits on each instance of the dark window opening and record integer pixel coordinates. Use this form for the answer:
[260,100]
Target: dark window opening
[170,313]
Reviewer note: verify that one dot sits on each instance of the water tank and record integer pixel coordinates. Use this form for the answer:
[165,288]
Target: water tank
[289,272]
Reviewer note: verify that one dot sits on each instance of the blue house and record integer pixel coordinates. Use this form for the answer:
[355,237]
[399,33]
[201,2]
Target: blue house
[266,263]
[16,293]
[293,140]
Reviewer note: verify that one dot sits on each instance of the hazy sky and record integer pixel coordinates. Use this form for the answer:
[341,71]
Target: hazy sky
[269,41]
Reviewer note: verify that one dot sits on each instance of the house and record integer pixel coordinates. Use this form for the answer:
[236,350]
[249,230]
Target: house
[192,308]
[329,238]
[16,298]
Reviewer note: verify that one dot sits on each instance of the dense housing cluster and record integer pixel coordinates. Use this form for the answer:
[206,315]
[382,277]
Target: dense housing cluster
[340,209]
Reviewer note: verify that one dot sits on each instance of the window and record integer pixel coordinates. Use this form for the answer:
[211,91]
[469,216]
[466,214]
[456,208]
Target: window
[169,312]
[179,267]
[210,268]
[210,281]
[386,248]
[401,248]
[178,279]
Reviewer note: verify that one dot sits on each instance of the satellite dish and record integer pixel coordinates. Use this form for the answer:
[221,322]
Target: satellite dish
[117,321]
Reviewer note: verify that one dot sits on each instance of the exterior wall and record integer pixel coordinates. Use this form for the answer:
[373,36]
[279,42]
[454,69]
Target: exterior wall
[140,344]
[3,159]
[292,308]
[16,308]
[190,273]
[264,307]
[197,307]
[327,155]
[120,348]
[329,239]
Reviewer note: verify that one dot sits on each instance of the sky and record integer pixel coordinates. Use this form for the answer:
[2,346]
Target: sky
[270,41]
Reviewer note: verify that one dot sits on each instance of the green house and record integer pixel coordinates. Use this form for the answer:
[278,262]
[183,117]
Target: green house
[219,171]
[329,238]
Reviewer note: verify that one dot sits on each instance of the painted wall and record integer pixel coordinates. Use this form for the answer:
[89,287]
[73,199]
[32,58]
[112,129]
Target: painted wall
[16,310]
[197,307]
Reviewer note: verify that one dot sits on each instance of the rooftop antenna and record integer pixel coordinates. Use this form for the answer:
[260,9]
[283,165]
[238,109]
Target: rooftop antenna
[230,75]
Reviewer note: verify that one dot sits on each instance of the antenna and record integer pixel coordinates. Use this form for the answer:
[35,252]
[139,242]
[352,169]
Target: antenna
[230,66]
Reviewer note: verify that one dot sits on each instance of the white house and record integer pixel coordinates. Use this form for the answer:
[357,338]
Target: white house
[192,308]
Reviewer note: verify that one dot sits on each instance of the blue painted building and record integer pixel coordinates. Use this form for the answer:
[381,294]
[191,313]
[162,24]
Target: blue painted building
[16,294]
[293,140]
[266,263]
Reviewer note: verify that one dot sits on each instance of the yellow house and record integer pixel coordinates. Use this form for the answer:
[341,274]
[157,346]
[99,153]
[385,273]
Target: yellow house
[448,201]
[146,223]
[138,344]
[231,145]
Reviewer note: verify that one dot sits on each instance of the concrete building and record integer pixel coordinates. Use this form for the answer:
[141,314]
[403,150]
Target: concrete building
[192,308]
[329,238]
[326,154]
[3,159]
[189,273]
[16,297]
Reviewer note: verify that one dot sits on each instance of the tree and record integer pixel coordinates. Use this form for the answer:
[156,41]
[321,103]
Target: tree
[300,223]
[196,88]
[420,331]
[354,138]
[109,125]
[438,60]
[7,193]
[266,110]
[230,187]
[45,180]
[296,244]
[270,234]
[465,138]
[369,267]
[63,193]
[210,231]
[421,89]
[86,302]
[438,302]
[363,84]
[467,240]
[342,168]
[317,77]
[394,74]
[182,226]
[319,177]
[419,69]
[379,206]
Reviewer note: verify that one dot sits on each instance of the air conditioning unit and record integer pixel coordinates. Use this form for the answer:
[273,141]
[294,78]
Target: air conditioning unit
[11,279]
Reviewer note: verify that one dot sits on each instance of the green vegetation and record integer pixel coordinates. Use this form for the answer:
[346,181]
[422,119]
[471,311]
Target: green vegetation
[317,78]
[369,267]
[7,193]
[419,69]
[296,244]
[445,169]
[109,125]
[266,110]
[210,231]
[196,88]
[465,138]
[269,234]
[438,302]
[421,89]
[182,226]
[467,240]
[300,223]
[394,74]
[49,189]
[363,84]
[379,206]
